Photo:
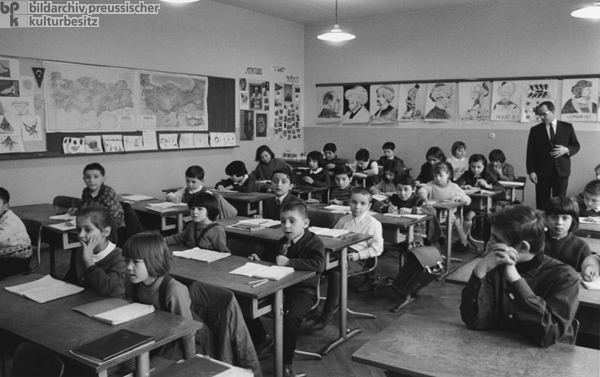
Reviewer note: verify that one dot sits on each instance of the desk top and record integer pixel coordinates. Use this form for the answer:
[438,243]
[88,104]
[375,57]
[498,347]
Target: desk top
[424,346]
[41,212]
[142,206]
[587,297]
[55,326]
[445,205]
[270,235]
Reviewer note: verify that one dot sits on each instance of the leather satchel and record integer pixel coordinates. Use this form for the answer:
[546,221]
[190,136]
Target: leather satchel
[422,265]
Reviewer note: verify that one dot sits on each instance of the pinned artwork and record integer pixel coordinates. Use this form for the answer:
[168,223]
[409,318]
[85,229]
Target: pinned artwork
[93,144]
[201,141]
[73,145]
[356,104]
[222,139]
[11,144]
[246,125]
[328,101]
[168,141]
[186,140]
[384,99]
[261,125]
[474,101]
[9,68]
[256,96]
[32,128]
[534,93]
[412,98]
[580,100]
[440,105]
[17,106]
[506,97]
[113,143]
[6,126]
[27,86]
[133,143]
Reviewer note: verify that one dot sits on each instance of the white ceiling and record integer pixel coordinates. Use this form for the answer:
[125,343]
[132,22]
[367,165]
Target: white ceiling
[323,11]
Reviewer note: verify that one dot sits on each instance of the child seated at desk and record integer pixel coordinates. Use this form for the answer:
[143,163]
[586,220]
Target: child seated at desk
[281,184]
[392,169]
[590,267]
[579,197]
[194,179]
[517,288]
[318,176]
[388,155]
[499,167]
[340,195]
[590,205]
[433,156]
[358,221]
[98,263]
[304,251]
[15,244]
[148,261]
[365,168]
[202,232]
[239,180]
[331,159]
[441,188]
[267,163]
[459,160]
[562,218]
[97,194]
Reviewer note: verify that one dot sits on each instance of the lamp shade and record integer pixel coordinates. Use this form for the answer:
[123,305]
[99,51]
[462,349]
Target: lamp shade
[592,11]
[336,35]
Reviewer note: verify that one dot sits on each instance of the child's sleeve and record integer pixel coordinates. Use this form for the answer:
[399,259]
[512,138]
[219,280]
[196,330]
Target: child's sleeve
[218,238]
[176,196]
[464,197]
[249,185]
[508,173]
[312,258]
[179,238]
[110,280]
[9,228]
[425,191]
[373,169]
[322,179]
[478,302]
[110,201]
[225,182]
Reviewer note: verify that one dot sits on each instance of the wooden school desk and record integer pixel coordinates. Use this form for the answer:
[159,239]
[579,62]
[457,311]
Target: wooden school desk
[141,208]
[50,235]
[445,208]
[425,346]
[253,301]
[53,325]
[332,246]
[247,200]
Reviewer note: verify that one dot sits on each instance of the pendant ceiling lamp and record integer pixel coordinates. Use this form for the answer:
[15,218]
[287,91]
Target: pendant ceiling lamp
[592,11]
[336,34]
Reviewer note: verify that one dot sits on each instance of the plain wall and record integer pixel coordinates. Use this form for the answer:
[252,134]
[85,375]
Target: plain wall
[502,39]
[204,38]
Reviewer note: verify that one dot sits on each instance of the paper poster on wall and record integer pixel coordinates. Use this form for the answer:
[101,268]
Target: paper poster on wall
[475,99]
[113,143]
[149,138]
[328,104]
[186,140]
[31,128]
[168,141]
[17,106]
[384,99]
[148,122]
[356,104]
[256,97]
[201,141]
[440,105]
[133,143]
[28,86]
[9,68]
[261,125]
[73,145]
[266,93]
[222,139]
[579,100]
[411,102]
[246,125]
[10,88]
[93,144]
[244,101]
[11,143]
[506,97]
[535,92]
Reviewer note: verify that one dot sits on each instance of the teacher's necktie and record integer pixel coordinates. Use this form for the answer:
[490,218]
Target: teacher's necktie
[552,134]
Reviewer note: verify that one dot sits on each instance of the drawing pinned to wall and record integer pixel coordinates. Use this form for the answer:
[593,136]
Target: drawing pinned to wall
[11,144]
[201,141]
[133,143]
[28,86]
[186,140]
[93,144]
[261,125]
[246,125]
[9,68]
[10,88]
[356,104]
[288,93]
[278,111]
[168,141]
[256,98]
[73,145]
[383,101]
[6,124]
[441,102]
[412,99]
[266,88]
[149,140]
[31,128]
[534,93]
[222,139]
[582,102]
[475,100]
[328,101]
[244,98]
[506,96]
[17,106]
[112,143]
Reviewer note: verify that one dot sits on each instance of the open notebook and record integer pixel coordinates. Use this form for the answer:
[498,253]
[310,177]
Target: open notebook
[407,216]
[260,271]
[114,311]
[166,206]
[45,289]
[334,233]
[202,255]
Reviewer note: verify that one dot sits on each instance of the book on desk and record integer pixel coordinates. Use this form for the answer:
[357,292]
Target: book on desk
[114,311]
[201,255]
[112,345]
[166,206]
[45,289]
[340,234]
[260,271]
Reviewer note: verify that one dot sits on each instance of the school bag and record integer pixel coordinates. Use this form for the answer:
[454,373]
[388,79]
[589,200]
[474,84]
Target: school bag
[422,265]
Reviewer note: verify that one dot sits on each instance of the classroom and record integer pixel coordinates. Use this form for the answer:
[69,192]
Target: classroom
[464,39]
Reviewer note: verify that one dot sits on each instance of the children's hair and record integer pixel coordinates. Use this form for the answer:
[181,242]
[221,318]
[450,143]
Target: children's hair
[394,166]
[152,248]
[560,205]
[597,167]
[593,187]
[457,145]
[237,168]
[362,155]
[4,195]
[498,155]
[444,166]
[281,171]
[362,191]
[405,180]
[520,223]
[101,218]
[436,152]
[342,169]
[95,166]
[389,145]
[315,156]
[296,206]
[205,200]
[261,149]
[195,171]
[330,147]
[477,158]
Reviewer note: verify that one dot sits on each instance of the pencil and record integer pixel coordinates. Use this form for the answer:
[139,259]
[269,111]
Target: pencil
[261,283]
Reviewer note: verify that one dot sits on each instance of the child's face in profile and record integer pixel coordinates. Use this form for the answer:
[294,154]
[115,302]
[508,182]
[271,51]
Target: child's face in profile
[432,160]
[192,183]
[280,184]
[441,178]
[359,204]
[362,164]
[199,214]
[329,155]
[293,224]
[404,191]
[137,271]
[460,152]
[388,153]
[591,201]
[476,167]
[559,225]
[93,179]
[342,181]
[313,164]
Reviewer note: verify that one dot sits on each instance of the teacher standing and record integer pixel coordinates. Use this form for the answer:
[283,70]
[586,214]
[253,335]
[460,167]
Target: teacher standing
[550,146]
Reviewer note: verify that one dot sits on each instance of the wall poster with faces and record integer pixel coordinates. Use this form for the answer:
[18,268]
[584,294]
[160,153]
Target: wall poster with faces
[329,105]
[286,119]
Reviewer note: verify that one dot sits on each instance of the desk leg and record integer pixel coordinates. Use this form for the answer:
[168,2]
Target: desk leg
[260,208]
[180,223]
[53,260]
[344,333]
[278,331]
[142,365]
[448,243]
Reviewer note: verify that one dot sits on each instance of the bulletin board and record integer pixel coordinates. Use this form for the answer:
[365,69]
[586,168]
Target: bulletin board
[56,109]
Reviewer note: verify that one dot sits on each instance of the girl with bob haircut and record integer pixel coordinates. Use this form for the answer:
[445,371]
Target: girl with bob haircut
[267,163]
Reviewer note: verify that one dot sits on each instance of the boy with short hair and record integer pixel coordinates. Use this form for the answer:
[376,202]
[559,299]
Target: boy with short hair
[388,154]
[359,221]
[365,168]
[331,160]
[239,180]
[15,244]
[281,184]
[340,194]
[590,205]
[194,180]
[517,288]
[304,251]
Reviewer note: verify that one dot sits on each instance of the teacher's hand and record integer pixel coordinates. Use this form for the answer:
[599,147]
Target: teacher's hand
[533,178]
[559,151]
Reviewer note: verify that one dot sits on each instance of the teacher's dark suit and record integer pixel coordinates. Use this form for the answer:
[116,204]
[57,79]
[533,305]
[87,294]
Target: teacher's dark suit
[552,173]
